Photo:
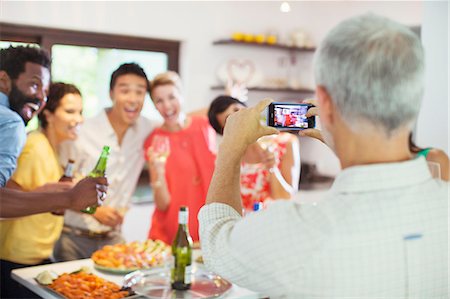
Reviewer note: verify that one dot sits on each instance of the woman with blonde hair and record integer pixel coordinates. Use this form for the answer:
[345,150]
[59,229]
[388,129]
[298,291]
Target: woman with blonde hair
[181,156]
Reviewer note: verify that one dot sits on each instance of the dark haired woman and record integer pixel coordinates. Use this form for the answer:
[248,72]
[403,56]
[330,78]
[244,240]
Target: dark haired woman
[270,168]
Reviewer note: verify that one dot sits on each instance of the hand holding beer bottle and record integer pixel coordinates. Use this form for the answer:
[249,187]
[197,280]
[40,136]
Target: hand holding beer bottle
[66,177]
[182,253]
[98,171]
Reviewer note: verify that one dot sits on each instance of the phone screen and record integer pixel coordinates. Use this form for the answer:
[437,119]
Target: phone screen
[290,116]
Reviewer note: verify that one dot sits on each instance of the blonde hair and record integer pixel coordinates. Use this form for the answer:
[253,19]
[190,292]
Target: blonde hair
[166,78]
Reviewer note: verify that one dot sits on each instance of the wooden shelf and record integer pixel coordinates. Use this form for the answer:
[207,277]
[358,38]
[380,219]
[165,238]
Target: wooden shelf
[272,89]
[267,46]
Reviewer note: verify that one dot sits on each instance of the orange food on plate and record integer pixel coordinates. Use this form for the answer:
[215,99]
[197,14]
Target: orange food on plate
[86,286]
[134,255]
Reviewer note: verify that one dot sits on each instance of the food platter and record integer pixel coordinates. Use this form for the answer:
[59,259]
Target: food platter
[126,258]
[81,284]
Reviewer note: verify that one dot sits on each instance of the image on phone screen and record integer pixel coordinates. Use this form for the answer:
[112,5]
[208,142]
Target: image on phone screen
[290,116]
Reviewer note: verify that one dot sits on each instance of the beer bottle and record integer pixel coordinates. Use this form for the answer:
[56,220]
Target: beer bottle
[182,253]
[98,171]
[66,177]
[68,172]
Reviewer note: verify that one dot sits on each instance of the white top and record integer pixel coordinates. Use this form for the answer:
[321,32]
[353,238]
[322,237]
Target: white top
[124,165]
[381,232]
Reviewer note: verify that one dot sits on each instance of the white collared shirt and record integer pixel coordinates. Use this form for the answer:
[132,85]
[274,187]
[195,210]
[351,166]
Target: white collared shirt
[381,232]
[124,165]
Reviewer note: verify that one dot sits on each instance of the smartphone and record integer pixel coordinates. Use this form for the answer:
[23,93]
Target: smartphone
[290,116]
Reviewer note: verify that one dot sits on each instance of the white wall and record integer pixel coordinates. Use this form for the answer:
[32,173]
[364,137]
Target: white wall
[433,123]
[197,24]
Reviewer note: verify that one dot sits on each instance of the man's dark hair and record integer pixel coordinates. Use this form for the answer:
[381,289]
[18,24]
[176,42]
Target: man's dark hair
[219,105]
[13,59]
[128,68]
[56,92]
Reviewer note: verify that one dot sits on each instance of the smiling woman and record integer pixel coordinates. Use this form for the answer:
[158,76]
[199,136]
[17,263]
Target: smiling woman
[61,117]
[181,179]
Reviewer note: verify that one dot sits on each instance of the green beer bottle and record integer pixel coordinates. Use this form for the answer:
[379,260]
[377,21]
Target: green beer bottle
[98,171]
[182,253]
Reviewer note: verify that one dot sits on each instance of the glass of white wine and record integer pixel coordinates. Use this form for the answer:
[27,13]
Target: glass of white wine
[161,147]
[266,143]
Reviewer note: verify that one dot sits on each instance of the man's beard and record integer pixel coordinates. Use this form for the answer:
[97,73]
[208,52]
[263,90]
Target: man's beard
[24,105]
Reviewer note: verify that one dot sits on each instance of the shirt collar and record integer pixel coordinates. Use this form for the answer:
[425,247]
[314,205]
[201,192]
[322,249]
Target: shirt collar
[105,120]
[382,176]
[4,100]
[104,124]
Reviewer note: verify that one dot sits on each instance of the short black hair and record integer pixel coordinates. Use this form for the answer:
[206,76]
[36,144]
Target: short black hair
[13,59]
[56,92]
[128,68]
[219,105]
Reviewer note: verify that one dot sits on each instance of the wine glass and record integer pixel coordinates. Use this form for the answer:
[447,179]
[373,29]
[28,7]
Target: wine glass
[266,143]
[161,147]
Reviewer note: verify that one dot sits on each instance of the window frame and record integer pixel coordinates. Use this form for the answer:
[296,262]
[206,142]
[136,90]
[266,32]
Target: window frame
[47,37]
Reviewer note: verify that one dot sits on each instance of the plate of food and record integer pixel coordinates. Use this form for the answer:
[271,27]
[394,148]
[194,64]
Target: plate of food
[81,284]
[126,258]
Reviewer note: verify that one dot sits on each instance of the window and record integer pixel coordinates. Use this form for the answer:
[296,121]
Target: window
[88,59]
[90,69]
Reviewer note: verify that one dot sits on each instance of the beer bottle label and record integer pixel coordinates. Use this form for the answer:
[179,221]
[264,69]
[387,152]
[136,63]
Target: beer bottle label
[69,170]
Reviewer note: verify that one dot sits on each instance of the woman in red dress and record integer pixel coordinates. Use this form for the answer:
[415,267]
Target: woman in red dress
[182,177]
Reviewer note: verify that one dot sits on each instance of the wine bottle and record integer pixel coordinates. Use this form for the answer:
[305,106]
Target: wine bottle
[68,172]
[182,253]
[98,171]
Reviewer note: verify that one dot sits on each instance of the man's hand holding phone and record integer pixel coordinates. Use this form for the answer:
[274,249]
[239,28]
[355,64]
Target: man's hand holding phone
[312,112]
[290,116]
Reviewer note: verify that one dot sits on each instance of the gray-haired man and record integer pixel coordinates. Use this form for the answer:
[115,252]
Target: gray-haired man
[381,231]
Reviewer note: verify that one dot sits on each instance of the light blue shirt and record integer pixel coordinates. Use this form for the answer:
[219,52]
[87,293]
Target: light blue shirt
[12,139]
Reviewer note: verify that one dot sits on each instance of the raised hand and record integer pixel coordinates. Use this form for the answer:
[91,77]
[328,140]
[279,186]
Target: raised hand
[244,127]
[314,111]
[88,192]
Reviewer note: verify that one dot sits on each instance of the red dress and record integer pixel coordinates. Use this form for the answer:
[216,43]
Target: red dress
[189,169]
[255,185]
